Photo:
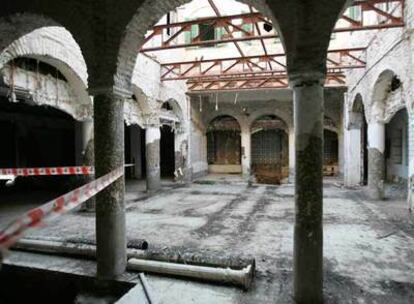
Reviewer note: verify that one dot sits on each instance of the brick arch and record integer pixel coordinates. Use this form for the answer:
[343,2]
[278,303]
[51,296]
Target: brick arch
[210,120]
[17,21]
[55,46]
[379,95]
[146,15]
[176,108]
[282,115]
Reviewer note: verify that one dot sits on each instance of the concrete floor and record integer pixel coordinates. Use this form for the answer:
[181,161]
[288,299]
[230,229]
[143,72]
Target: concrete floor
[368,247]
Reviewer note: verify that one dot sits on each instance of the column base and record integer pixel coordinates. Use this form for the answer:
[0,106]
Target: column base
[376,168]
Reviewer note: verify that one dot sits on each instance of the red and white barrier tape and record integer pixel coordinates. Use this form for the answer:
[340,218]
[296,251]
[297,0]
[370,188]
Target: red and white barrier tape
[82,170]
[55,208]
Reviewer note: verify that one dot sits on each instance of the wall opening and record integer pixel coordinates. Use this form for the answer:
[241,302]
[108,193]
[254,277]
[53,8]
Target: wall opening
[36,136]
[135,152]
[270,150]
[396,148]
[330,157]
[224,145]
[167,151]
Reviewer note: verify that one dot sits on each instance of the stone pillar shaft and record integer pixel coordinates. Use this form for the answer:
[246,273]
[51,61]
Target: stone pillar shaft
[246,155]
[376,160]
[110,205]
[353,158]
[292,155]
[410,196]
[152,141]
[308,235]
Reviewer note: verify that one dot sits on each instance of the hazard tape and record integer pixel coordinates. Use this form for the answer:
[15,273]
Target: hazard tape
[83,170]
[55,208]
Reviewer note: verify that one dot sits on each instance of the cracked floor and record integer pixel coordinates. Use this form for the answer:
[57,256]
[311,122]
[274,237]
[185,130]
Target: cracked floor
[368,246]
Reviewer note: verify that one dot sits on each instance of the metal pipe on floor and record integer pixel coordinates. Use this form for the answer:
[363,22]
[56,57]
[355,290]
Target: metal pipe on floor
[242,277]
[71,248]
[55,247]
[232,270]
[192,257]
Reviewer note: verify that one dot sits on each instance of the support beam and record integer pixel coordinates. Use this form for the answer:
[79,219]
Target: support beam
[308,234]
[385,19]
[152,140]
[110,205]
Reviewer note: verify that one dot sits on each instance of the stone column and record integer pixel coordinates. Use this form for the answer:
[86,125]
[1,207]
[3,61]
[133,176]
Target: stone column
[246,152]
[292,155]
[353,159]
[84,133]
[410,197]
[85,156]
[110,205]
[152,141]
[376,160]
[308,236]
[135,141]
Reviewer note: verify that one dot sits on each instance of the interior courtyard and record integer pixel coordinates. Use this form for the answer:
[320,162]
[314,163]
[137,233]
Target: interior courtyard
[207,151]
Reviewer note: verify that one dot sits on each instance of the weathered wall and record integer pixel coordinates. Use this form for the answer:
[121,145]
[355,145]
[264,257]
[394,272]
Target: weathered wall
[390,52]
[198,143]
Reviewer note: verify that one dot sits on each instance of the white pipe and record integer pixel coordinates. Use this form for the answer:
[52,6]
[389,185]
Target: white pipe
[241,277]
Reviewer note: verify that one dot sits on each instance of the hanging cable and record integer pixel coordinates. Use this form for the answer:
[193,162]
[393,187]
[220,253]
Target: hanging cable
[201,104]
[235,99]
[57,87]
[37,75]
[12,94]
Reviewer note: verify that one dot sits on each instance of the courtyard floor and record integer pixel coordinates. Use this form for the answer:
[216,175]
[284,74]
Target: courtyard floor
[368,246]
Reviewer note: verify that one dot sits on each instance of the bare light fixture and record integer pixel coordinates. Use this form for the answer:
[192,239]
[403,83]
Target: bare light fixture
[267,27]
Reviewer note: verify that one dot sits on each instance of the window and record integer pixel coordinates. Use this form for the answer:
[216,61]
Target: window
[248,28]
[205,32]
[355,12]
[190,35]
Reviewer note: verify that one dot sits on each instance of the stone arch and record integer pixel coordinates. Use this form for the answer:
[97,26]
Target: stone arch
[283,125]
[72,85]
[282,115]
[357,104]
[176,108]
[380,91]
[146,15]
[19,25]
[56,47]
[224,114]
[393,111]
[141,99]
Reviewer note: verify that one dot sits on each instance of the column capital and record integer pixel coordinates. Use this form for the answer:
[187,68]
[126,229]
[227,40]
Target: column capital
[115,92]
[306,78]
[151,120]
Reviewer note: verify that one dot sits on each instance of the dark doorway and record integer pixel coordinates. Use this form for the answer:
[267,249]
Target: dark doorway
[167,162]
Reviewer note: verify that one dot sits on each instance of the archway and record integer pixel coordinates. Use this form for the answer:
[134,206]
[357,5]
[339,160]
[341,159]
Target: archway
[36,136]
[330,157]
[270,149]
[359,122]
[396,148]
[134,152]
[224,145]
